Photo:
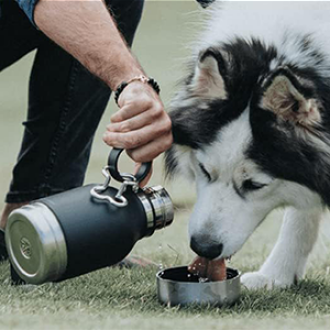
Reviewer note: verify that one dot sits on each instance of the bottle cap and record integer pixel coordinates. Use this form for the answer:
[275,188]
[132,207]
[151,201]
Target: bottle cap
[36,244]
[158,207]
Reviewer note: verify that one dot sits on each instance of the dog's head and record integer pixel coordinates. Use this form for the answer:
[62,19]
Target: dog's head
[251,131]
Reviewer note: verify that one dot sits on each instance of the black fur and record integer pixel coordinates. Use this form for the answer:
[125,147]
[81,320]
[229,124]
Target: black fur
[276,147]
[205,3]
[195,127]
[282,154]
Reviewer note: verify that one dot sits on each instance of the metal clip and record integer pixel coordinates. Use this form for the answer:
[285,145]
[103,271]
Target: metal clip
[119,200]
[129,181]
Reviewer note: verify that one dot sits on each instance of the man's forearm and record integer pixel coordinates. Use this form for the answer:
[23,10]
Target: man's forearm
[86,30]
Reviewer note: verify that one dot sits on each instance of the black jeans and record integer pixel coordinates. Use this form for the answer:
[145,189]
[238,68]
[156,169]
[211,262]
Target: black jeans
[65,106]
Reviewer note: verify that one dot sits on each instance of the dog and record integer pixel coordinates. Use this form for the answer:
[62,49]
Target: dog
[251,127]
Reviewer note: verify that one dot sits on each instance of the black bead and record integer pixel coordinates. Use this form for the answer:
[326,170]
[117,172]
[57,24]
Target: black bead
[153,83]
[120,90]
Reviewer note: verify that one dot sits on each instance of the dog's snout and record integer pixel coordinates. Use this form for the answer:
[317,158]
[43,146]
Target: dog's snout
[204,247]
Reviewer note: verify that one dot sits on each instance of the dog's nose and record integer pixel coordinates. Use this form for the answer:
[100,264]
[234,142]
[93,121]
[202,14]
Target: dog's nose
[204,247]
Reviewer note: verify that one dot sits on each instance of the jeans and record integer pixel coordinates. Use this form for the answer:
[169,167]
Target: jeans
[65,105]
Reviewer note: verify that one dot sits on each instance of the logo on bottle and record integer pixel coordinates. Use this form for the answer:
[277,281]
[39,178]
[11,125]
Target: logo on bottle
[26,248]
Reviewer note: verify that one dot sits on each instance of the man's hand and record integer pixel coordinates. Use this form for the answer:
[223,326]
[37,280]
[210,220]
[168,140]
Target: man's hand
[141,126]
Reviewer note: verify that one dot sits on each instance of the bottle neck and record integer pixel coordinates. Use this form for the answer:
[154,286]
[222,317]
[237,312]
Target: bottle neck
[158,208]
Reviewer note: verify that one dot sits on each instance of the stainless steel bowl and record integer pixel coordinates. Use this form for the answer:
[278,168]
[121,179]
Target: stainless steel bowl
[176,286]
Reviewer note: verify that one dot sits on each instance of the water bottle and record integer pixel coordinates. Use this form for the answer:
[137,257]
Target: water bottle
[85,229]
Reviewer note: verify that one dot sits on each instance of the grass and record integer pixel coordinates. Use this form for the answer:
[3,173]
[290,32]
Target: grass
[126,299]
[116,298]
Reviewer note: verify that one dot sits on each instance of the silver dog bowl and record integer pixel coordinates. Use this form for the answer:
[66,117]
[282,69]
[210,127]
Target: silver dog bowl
[176,286]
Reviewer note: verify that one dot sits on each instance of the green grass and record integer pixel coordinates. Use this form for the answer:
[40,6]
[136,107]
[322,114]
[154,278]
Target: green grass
[126,299]
[116,298]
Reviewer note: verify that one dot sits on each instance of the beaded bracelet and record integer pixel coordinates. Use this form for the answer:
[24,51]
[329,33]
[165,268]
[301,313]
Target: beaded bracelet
[150,81]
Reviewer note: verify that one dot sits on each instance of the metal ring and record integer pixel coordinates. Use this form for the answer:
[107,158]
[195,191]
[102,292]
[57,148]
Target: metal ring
[120,201]
[113,167]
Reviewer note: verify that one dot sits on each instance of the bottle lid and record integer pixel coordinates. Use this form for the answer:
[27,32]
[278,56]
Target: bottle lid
[36,244]
[158,207]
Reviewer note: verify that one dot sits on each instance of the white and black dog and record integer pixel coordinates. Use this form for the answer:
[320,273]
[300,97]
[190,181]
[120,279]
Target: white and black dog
[251,126]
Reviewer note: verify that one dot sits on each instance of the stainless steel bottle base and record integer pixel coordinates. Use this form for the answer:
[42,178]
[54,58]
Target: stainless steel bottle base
[177,287]
[36,244]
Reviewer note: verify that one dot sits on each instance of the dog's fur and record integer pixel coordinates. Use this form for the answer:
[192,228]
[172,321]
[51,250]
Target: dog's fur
[251,127]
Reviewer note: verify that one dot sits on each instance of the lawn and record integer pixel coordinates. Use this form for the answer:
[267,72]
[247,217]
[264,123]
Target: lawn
[126,299]
[116,298]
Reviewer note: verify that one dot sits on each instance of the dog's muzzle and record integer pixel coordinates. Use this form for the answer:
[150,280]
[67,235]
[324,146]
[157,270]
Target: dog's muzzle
[206,248]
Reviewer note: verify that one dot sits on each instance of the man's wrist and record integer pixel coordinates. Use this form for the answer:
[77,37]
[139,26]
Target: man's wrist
[151,82]
[123,75]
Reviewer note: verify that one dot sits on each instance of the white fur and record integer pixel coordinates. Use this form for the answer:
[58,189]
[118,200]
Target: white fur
[223,216]
[220,212]
[275,23]
[287,262]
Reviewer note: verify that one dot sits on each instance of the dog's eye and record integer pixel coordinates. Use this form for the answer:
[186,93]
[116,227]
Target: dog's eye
[205,172]
[252,185]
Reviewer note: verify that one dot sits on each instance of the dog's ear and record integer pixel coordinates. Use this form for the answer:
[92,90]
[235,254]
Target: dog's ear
[209,80]
[290,98]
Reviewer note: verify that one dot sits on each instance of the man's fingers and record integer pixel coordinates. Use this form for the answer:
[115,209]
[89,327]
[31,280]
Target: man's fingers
[151,150]
[132,124]
[135,139]
[130,110]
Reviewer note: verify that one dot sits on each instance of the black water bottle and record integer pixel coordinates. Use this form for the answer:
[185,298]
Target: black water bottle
[87,228]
